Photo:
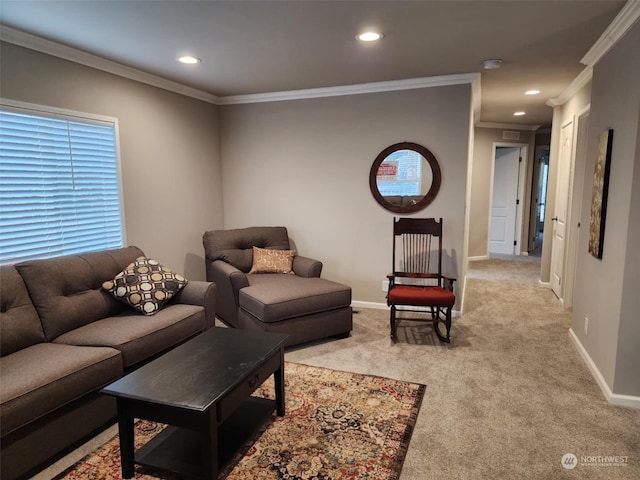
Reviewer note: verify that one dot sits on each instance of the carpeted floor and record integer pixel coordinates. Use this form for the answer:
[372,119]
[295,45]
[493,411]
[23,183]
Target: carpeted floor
[506,399]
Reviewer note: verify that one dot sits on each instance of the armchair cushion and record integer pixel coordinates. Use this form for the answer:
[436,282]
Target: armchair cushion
[268,260]
[236,246]
[274,297]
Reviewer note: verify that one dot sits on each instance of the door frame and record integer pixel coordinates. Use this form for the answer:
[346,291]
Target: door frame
[522,176]
[536,174]
[576,187]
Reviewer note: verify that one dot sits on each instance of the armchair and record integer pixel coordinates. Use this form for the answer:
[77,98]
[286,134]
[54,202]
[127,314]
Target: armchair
[299,303]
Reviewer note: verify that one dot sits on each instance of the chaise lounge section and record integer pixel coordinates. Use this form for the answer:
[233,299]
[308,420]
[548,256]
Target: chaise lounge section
[299,303]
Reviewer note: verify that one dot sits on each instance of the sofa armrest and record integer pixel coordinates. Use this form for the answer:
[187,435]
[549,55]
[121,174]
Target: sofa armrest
[229,280]
[306,267]
[200,293]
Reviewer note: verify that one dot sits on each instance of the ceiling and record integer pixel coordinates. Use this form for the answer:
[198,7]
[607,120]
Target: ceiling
[250,47]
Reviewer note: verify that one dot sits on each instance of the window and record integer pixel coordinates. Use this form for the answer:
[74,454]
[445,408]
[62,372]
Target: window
[59,183]
[402,175]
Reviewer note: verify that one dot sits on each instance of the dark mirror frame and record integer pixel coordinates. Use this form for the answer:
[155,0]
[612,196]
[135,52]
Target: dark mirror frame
[435,183]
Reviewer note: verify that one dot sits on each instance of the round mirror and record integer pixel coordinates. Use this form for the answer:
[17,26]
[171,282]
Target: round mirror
[405,177]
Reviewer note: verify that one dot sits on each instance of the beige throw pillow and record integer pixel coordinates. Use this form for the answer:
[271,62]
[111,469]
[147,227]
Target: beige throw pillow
[145,285]
[267,260]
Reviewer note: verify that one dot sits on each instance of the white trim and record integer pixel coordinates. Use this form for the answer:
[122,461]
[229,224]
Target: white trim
[383,306]
[509,126]
[374,87]
[522,176]
[615,31]
[33,42]
[574,87]
[22,39]
[617,28]
[544,284]
[479,257]
[371,305]
[476,98]
[50,111]
[612,398]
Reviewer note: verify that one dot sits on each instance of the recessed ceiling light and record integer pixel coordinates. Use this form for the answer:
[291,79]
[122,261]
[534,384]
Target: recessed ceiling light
[518,114]
[532,92]
[492,63]
[189,60]
[370,36]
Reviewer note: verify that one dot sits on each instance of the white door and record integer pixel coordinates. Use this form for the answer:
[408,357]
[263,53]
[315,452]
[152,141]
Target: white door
[560,212]
[504,200]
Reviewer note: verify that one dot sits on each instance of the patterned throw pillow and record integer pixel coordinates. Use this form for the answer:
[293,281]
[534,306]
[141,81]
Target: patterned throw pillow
[145,285]
[268,260]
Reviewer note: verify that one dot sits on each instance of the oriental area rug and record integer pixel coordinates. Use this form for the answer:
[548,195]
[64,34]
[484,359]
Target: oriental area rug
[338,425]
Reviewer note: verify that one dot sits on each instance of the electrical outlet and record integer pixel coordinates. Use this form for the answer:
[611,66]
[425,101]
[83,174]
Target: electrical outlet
[586,326]
[385,285]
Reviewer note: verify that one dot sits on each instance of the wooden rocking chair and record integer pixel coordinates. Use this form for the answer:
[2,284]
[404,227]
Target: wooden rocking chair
[417,283]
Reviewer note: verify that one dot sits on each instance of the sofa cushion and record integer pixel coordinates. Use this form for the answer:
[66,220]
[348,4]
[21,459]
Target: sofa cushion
[66,291]
[39,379]
[235,246]
[275,297]
[145,285]
[20,326]
[140,337]
[269,260]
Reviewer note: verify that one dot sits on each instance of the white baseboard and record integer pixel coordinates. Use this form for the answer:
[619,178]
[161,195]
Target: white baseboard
[544,284]
[372,305]
[481,257]
[383,306]
[612,398]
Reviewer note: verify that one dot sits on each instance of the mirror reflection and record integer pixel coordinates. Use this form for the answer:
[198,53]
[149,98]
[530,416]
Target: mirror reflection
[405,177]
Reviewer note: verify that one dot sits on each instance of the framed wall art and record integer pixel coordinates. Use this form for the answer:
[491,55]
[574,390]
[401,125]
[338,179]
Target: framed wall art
[600,193]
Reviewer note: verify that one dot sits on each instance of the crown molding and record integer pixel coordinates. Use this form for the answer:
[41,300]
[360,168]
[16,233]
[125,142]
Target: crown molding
[574,87]
[374,87]
[508,126]
[23,39]
[617,28]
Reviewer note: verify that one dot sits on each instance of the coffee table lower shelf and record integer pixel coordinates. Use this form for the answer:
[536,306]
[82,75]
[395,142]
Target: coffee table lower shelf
[179,450]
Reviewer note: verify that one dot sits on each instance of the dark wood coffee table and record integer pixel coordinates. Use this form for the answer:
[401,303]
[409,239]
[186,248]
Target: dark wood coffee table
[202,390]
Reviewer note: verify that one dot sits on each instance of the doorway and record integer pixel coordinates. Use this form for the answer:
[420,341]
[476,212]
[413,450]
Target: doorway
[505,229]
[561,212]
[538,199]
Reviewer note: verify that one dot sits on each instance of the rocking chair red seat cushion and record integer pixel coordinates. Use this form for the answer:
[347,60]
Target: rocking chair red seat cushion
[421,296]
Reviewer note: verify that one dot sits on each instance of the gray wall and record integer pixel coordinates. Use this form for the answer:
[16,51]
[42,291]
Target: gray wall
[606,290]
[305,164]
[168,144]
[481,182]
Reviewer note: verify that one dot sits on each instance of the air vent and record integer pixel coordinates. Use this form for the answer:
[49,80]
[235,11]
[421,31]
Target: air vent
[510,135]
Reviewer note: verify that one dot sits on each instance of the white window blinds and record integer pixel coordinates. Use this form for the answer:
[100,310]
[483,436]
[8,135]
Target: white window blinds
[59,185]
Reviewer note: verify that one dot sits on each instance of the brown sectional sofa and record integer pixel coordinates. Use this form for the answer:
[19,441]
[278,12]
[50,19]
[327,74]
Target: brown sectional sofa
[63,338]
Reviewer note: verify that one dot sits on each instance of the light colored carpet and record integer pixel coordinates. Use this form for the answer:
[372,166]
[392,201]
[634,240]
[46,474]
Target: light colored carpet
[505,400]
